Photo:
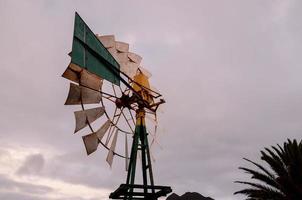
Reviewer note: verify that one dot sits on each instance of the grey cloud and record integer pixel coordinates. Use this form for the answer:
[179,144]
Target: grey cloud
[33,164]
[14,186]
[17,196]
[13,190]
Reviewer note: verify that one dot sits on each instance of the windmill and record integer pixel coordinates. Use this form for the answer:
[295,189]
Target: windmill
[116,99]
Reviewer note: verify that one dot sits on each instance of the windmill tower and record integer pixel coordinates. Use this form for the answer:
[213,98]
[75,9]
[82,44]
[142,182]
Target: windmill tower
[107,75]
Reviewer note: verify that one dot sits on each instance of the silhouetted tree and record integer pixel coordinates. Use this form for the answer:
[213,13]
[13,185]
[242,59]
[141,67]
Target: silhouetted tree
[282,180]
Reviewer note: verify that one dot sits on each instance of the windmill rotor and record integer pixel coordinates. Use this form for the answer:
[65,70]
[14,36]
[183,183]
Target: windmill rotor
[113,92]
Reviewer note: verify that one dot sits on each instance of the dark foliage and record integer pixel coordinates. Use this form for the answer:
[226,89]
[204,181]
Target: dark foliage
[282,180]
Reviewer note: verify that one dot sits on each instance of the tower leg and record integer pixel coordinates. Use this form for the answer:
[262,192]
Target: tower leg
[132,163]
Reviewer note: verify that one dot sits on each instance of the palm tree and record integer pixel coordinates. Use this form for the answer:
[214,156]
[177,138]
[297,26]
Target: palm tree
[282,180]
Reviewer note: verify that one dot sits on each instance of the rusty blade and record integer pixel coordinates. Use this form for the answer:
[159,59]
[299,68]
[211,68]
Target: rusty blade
[90,80]
[126,153]
[74,95]
[91,142]
[78,95]
[101,132]
[72,72]
[107,40]
[84,117]
[71,75]
[129,68]
[134,57]
[110,155]
[122,57]
[90,96]
[145,71]
[122,46]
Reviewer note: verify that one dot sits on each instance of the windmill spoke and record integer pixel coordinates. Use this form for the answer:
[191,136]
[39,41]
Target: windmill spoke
[127,122]
[109,98]
[114,90]
[131,116]
[114,124]
[121,89]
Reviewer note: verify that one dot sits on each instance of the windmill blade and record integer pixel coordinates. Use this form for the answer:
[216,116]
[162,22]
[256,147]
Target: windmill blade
[91,142]
[122,46]
[101,132]
[72,72]
[128,61]
[113,52]
[134,57]
[107,40]
[90,80]
[85,117]
[126,153]
[145,72]
[82,76]
[110,155]
[122,57]
[78,95]
[129,68]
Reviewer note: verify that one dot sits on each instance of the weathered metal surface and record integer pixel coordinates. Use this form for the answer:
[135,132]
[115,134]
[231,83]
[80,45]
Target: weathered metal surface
[84,117]
[91,80]
[145,71]
[140,80]
[82,76]
[91,142]
[72,72]
[122,46]
[74,95]
[89,53]
[122,57]
[75,67]
[126,153]
[107,40]
[102,131]
[78,95]
[129,68]
[70,75]
[110,155]
[134,57]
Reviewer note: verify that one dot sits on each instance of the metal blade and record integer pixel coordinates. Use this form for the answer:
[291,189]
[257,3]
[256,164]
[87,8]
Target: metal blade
[90,96]
[71,75]
[122,57]
[122,46]
[90,80]
[145,72]
[107,40]
[129,68]
[126,153]
[101,132]
[134,57]
[91,142]
[78,95]
[72,72]
[110,155]
[84,117]
[74,95]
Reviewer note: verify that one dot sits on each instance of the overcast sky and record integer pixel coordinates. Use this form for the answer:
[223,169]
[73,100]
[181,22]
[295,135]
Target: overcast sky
[229,70]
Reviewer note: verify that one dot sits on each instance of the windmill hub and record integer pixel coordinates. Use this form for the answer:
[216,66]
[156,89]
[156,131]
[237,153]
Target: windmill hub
[123,101]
